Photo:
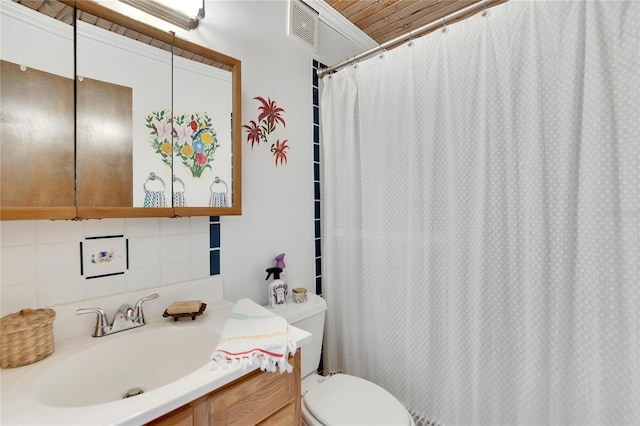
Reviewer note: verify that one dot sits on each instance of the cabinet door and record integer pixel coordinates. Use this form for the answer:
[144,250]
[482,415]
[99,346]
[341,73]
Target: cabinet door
[128,128]
[105,142]
[252,400]
[120,81]
[37,138]
[286,416]
[203,148]
[36,118]
[258,398]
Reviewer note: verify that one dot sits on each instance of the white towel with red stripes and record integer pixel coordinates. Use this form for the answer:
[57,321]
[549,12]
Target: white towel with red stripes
[254,336]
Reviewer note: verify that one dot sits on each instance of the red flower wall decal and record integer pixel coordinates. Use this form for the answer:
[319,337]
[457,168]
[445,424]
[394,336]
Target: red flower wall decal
[278,150]
[254,133]
[269,117]
[271,112]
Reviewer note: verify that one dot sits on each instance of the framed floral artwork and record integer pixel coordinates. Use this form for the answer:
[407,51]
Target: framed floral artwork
[104,256]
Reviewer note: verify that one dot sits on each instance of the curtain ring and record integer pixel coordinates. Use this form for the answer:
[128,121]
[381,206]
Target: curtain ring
[410,44]
[444,25]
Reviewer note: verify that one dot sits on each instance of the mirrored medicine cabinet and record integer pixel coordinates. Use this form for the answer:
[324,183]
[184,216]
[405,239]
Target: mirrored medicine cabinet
[104,116]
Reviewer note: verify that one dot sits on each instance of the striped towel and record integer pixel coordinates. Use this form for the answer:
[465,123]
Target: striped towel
[252,336]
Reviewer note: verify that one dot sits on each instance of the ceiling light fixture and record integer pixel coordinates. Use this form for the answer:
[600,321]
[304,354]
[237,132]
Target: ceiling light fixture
[160,9]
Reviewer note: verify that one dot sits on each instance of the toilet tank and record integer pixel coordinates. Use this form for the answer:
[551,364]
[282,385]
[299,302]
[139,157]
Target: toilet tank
[308,316]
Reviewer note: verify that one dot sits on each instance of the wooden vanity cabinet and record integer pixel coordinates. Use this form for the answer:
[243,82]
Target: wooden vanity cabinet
[259,398]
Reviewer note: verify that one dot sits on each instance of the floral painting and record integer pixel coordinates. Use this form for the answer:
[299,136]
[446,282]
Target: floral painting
[103,256]
[269,118]
[194,139]
[159,125]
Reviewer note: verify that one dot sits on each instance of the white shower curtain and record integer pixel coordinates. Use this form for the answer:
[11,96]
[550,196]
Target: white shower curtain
[481,193]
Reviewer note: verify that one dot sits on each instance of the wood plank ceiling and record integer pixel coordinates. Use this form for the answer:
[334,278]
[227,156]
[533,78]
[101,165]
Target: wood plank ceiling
[384,20]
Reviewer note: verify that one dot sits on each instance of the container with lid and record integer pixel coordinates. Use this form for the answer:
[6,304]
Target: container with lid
[27,337]
[299,295]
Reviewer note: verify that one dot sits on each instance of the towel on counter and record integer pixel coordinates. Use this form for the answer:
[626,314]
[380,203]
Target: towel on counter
[253,335]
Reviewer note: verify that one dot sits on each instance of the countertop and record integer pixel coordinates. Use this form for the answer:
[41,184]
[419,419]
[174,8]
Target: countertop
[20,406]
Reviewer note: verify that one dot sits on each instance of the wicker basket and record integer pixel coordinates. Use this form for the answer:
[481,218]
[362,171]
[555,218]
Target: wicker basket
[27,337]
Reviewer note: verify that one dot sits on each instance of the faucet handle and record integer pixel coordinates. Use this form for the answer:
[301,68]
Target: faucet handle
[149,297]
[102,326]
[126,310]
[139,314]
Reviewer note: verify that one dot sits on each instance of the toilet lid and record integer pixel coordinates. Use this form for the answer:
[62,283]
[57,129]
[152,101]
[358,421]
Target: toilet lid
[349,400]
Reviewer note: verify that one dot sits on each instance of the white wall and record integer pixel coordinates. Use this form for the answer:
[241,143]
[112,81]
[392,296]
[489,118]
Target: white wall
[39,260]
[278,202]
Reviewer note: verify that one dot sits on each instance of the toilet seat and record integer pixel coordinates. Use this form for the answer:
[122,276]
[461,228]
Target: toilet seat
[348,400]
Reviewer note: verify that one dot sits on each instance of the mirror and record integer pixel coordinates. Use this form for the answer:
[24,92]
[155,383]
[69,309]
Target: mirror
[119,81]
[154,128]
[202,149]
[219,187]
[184,153]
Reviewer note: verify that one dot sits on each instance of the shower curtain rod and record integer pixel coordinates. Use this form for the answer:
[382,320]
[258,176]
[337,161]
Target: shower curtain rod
[469,10]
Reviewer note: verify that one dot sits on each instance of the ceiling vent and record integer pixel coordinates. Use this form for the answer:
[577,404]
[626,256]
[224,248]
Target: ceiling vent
[303,24]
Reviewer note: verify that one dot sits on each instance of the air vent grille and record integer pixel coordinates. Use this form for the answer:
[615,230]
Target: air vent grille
[303,24]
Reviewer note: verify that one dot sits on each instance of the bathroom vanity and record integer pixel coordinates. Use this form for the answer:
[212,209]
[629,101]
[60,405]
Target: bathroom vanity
[84,380]
[259,398]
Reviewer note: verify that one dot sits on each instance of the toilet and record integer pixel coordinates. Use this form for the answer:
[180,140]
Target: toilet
[339,399]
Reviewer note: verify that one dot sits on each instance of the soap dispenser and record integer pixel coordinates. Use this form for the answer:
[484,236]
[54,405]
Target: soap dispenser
[283,275]
[277,288]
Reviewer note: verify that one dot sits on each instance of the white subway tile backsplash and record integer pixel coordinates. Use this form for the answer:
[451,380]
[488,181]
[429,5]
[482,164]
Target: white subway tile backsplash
[40,260]
[174,249]
[144,252]
[174,273]
[50,231]
[17,232]
[103,227]
[199,268]
[57,261]
[143,278]
[61,291]
[199,224]
[174,226]
[104,286]
[69,325]
[17,297]
[199,246]
[18,265]
[142,227]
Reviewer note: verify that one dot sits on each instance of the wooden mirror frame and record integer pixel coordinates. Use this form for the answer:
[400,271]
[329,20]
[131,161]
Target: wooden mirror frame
[209,56]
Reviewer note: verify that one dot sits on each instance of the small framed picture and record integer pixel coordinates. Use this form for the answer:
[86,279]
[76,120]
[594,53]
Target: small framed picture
[104,256]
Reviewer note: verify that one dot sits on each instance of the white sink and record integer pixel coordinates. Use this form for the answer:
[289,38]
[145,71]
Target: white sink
[144,359]
[83,381]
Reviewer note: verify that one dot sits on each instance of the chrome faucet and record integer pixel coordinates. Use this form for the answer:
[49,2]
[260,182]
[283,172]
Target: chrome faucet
[125,318]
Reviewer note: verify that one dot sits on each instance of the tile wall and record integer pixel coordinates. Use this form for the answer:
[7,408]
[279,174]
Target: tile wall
[214,245]
[40,262]
[316,177]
